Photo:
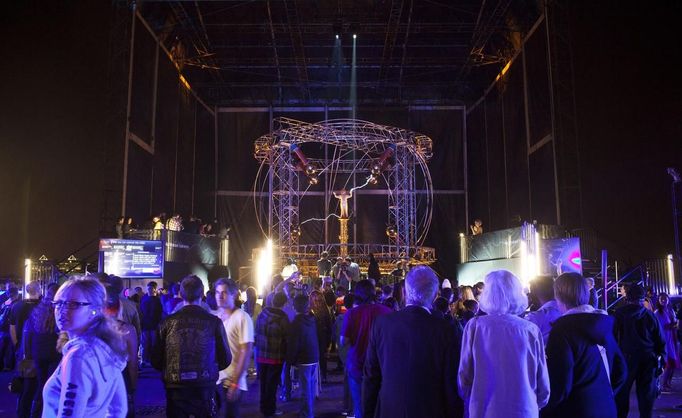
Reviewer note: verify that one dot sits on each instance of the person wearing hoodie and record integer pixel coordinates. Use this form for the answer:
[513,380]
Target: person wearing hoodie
[543,288]
[639,336]
[88,381]
[303,352]
[586,367]
[271,334]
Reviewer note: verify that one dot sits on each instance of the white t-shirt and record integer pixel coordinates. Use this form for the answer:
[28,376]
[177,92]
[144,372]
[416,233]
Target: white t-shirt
[239,330]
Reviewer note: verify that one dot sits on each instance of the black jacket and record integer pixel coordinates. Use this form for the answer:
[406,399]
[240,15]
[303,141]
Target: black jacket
[151,312]
[191,348]
[638,331]
[579,384]
[411,367]
[302,344]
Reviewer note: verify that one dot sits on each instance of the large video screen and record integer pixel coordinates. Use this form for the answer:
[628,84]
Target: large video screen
[561,256]
[131,258]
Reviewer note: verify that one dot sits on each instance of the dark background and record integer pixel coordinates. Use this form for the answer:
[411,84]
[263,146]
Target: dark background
[53,135]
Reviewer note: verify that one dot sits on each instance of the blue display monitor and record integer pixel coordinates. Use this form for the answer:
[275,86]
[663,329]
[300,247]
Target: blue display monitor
[131,258]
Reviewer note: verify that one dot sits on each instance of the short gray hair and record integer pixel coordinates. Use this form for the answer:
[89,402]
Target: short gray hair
[503,294]
[421,286]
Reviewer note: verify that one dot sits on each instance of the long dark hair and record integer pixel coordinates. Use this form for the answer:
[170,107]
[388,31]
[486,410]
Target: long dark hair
[249,305]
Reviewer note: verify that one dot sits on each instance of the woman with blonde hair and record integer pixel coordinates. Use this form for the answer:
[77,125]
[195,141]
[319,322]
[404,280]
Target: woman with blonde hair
[88,381]
[465,293]
[502,369]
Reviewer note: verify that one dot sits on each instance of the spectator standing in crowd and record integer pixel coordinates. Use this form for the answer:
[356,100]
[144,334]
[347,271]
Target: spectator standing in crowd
[190,351]
[125,315]
[40,342]
[586,367]
[20,313]
[324,324]
[128,228]
[118,307]
[239,330]
[477,227]
[357,324]
[136,297]
[7,358]
[119,227]
[471,309]
[398,273]
[130,372]
[399,294]
[502,371]
[344,276]
[410,369]
[193,226]
[441,309]
[542,287]
[151,315]
[324,265]
[172,302]
[303,352]
[373,271]
[465,293]
[207,230]
[4,295]
[175,223]
[88,381]
[158,228]
[336,268]
[593,292]
[386,292]
[478,289]
[251,306]
[639,337]
[669,324]
[271,333]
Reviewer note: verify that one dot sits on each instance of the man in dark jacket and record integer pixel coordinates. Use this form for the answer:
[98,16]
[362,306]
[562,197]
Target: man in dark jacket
[639,336]
[190,350]
[271,335]
[151,312]
[303,352]
[410,370]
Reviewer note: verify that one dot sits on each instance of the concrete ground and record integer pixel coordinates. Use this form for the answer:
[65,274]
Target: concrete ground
[150,399]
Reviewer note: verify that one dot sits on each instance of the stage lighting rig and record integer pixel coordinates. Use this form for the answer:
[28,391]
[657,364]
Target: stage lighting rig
[304,165]
[379,166]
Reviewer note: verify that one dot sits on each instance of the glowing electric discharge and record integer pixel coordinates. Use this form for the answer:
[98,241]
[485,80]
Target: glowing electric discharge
[333,214]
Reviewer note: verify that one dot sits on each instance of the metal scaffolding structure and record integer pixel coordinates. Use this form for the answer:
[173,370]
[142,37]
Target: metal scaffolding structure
[238,53]
[381,155]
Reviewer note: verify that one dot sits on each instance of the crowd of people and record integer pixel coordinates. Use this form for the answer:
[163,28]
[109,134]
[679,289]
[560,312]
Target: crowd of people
[126,227]
[417,348]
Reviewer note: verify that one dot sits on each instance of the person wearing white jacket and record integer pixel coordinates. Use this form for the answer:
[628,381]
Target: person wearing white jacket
[88,381]
[502,369]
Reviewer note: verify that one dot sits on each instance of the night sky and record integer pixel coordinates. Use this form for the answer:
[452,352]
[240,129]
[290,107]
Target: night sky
[628,92]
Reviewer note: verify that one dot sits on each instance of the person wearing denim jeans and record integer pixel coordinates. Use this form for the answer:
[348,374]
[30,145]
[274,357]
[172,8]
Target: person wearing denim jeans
[307,376]
[357,324]
[303,352]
